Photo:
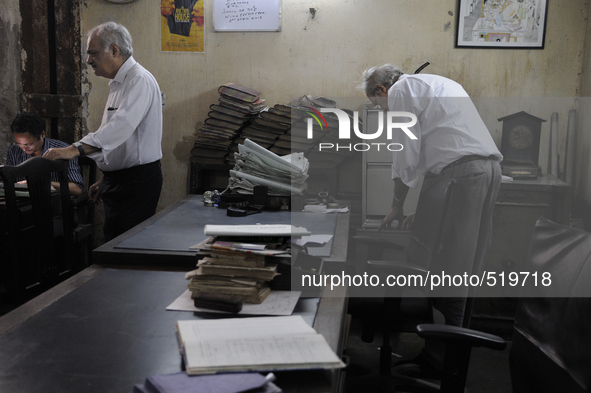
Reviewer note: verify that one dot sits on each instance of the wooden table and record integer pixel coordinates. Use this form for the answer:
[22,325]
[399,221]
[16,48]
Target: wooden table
[105,329]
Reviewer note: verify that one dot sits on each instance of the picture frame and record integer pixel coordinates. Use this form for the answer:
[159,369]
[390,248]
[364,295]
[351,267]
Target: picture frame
[501,24]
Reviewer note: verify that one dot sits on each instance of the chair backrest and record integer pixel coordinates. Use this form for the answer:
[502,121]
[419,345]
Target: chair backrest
[84,209]
[427,228]
[551,350]
[36,260]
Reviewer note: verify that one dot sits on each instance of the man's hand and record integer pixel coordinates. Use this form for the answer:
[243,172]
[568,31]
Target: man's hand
[395,214]
[94,192]
[62,153]
[407,223]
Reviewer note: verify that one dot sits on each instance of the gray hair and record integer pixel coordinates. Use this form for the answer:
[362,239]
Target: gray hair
[383,75]
[113,33]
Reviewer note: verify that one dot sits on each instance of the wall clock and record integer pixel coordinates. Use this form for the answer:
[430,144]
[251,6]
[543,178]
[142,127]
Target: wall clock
[520,145]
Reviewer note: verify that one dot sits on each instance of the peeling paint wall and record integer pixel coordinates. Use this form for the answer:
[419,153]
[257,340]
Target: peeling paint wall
[10,62]
[324,54]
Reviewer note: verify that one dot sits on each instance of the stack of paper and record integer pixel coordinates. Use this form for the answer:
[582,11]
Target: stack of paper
[255,165]
[242,260]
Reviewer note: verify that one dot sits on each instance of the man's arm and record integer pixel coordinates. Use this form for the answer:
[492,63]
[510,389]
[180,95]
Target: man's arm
[68,153]
[73,188]
[396,211]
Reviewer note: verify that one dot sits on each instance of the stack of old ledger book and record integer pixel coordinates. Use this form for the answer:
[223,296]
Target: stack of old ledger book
[242,260]
[284,129]
[236,107]
[269,124]
[255,165]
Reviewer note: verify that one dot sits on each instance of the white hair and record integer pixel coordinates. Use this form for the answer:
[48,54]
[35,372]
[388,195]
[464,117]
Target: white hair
[113,33]
[384,75]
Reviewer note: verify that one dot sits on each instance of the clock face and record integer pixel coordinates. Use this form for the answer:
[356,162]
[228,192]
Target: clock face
[521,136]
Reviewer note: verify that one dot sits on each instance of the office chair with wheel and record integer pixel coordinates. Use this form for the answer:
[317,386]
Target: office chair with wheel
[550,350]
[401,311]
[39,233]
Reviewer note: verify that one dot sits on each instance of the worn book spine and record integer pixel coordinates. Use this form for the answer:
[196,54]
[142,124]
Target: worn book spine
[239,92]
[228,118]
[265,273]
[275,117]
[244,260]
[222,123]
[229,111]
[248,295]
[270,124]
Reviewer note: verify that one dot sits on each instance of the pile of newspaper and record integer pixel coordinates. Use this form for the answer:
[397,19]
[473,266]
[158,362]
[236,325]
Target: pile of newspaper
[255,165]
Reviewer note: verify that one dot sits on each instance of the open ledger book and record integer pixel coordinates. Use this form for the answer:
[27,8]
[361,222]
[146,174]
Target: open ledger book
[253,344]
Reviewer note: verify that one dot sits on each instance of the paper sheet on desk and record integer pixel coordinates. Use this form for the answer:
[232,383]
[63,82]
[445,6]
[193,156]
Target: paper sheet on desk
[313,240]
[277,303]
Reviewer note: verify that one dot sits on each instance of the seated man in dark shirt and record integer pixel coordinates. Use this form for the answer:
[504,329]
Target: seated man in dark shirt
[28,130]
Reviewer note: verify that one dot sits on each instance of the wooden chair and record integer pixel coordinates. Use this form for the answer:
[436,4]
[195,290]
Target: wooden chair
[38,229]
[83,211]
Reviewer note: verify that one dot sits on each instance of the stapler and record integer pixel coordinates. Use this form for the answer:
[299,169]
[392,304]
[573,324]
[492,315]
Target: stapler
[242,211]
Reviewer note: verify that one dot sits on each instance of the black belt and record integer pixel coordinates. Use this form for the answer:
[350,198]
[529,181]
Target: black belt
[465,159]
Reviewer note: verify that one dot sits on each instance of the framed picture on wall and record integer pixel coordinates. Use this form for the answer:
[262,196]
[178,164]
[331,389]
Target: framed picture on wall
[501,24]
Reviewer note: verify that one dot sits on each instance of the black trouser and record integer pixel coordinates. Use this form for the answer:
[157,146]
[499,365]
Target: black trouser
[130,196]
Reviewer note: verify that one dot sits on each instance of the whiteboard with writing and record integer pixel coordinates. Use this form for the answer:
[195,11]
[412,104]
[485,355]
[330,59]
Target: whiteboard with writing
[247,15]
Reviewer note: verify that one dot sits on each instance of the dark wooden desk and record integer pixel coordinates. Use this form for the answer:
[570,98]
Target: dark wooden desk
[105,329]
[164,239]
[519,205]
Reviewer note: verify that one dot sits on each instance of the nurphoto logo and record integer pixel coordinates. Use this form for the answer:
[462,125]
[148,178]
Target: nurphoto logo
[392,123]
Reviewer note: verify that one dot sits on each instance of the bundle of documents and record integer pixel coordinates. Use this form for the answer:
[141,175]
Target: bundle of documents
[253,344]
[255,165]
[241,261]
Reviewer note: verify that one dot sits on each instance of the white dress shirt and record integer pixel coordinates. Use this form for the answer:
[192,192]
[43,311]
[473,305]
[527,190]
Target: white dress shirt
[131,130]
[448,126]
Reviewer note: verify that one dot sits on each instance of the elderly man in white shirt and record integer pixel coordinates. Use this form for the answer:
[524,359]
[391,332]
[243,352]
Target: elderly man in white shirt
[452,142]
[127,145]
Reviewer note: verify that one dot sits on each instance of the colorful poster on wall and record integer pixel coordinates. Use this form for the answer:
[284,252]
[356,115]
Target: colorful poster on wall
[181,25]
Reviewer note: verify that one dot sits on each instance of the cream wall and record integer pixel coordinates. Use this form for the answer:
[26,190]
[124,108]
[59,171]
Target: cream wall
[325,55]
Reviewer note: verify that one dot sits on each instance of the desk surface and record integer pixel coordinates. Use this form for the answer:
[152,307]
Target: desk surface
[181,226]
[104,330]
